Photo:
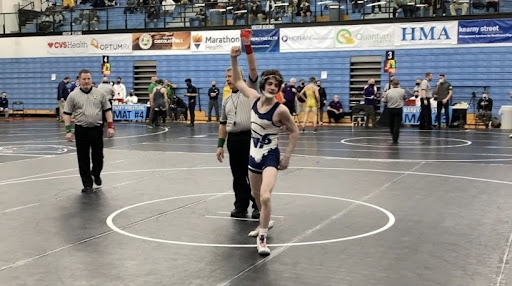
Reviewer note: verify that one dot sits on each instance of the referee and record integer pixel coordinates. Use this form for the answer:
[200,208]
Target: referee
[235,125]
[88,104]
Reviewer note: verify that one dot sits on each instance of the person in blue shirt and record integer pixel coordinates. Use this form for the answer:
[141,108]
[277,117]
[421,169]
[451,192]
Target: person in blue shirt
[4,105]
[62,96]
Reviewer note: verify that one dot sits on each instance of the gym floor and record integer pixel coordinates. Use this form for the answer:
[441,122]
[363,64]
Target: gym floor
[352,209]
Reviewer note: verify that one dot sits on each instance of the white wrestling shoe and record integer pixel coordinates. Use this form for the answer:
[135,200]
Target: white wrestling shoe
[261,245]
[256,231]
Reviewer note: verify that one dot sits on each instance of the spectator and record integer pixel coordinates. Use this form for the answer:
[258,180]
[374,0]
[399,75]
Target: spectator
[119,90]
[192,96]
[370,101]
[131,98]
[305,10]
[179,107]
[323,100]
[240,12]
[131,6]
[484,107]
[110,3]
[168,7]
[62,96]
[439,5]
[213,93]
[289,94]
[443,94]
[4,105]
[200,18]
[495,4]
[68,4]
[456,5]
[255,12]
[335,110]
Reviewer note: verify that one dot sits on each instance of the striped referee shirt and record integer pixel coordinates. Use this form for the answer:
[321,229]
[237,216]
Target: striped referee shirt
[236,111]
[87,106]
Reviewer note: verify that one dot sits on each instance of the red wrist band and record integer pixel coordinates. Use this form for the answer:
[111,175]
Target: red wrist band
[248,49]
[110,125]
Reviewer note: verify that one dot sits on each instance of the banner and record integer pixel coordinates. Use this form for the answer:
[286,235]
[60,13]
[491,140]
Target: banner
[485,31]
[109,44]
[411,115]
[129,111]
[307,39]
[265,40]
[367,36]
[89,44]
[426,33]
[215,41]
[161,41]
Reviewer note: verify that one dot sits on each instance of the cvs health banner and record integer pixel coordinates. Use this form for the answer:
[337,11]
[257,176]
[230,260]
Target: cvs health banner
[427,33]
[485,31]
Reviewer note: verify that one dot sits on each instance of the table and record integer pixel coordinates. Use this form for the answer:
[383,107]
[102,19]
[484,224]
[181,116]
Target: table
[411,115]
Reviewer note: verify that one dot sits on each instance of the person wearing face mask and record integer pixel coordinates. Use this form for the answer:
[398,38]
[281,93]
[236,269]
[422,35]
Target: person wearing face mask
[323,101]
[484,107]
[267,117]
[119,91]
[425,96]
[370,99]
[416,92]
[213,93]
[443,93]
[192,95]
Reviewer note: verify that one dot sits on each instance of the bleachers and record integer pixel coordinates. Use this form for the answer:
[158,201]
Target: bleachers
[30,79]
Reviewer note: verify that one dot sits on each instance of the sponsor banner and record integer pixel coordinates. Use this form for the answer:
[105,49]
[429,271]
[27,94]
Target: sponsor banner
[67,45]
[265,41]
[367,36]
[411,115]
[89,44]
[161,41]
[307,39]
[214,41]
[485,31]
[426,33]
[110,44]
[132,112]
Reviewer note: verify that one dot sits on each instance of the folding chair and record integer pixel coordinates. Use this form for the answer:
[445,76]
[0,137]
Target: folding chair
[18,108]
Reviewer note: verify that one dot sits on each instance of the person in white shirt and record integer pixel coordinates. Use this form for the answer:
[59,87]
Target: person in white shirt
[119,90]
[131,99]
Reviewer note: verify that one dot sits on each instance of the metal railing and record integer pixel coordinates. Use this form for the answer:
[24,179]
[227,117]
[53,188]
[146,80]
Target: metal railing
[58,19]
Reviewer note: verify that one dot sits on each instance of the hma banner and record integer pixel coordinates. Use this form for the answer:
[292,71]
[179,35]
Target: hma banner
[265,40]
[485,31]
[426,33]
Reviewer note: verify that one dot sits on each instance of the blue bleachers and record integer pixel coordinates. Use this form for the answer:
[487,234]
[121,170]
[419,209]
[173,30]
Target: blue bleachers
[463,69]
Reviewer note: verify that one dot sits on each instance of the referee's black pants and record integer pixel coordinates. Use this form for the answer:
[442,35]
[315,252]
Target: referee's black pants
[89,143]
[395,122]
[239,145]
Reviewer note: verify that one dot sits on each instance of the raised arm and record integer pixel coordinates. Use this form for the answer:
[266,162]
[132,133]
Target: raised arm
[237,76]
[246,36]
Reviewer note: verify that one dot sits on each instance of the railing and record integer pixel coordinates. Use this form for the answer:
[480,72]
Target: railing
[82,18]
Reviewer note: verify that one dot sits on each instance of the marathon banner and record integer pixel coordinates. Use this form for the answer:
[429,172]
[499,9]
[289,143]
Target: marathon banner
[265,41]
[485,31]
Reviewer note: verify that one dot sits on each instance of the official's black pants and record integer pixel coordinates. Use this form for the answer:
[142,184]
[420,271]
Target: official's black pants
[239,145]
[192,110]
[395,122]
[425,114]
[440,106]
[89,143]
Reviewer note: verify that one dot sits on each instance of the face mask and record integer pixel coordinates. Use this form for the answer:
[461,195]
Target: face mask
[268,95]
[417,83]
[118,81]
[416,96]
[213,85]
